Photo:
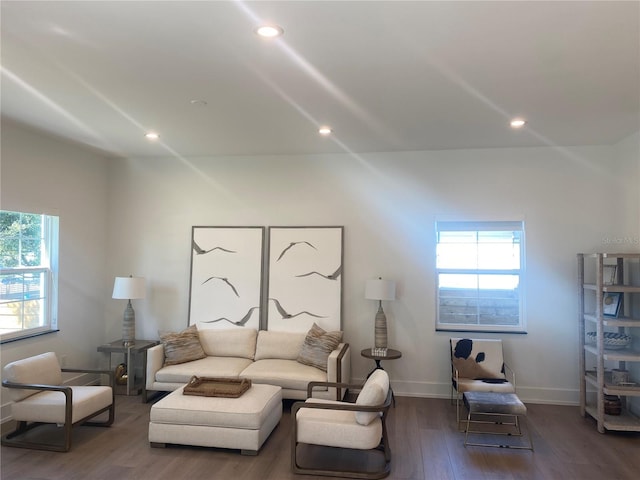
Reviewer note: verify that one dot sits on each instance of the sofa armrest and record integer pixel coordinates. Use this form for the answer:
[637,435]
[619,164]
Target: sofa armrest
[339,368]
[155,361]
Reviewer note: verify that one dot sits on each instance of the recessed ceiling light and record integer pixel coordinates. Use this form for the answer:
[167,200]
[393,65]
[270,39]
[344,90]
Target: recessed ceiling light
[324,131]
[518,123]
[269,31]
[198,103]
[152,136]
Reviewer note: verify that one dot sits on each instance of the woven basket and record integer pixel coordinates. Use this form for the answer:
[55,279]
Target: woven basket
[612,405]
[217,387]
[612,340]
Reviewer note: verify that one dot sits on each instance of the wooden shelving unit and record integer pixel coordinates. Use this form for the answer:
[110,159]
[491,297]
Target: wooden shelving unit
[595,379]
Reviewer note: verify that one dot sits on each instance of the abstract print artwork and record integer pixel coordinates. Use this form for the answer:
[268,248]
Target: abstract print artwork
[305,278]
[226,277]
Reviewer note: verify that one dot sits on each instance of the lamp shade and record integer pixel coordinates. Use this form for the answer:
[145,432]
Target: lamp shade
[129,288]
[379,289]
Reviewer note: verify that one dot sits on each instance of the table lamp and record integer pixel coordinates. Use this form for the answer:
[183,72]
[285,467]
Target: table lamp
[379,289]
[129,288]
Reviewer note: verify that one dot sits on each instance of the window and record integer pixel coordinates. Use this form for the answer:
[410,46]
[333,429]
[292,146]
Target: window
[480,268]
[28,274]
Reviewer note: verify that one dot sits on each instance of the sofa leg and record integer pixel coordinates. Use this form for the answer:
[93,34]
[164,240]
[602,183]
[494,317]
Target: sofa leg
[249,452]
[157,445]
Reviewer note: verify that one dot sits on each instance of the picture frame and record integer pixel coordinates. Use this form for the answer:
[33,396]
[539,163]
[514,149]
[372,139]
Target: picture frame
[226,280]
[305,266]
[609,274]
[611,304]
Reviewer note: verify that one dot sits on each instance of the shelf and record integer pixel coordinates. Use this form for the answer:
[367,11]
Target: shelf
[598,380]
[609,389]
[618,255]
[626,421]
[613,288]
[614,322]
[622,355]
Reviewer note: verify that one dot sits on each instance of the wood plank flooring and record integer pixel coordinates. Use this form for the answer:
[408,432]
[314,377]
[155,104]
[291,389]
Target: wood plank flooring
[424,441]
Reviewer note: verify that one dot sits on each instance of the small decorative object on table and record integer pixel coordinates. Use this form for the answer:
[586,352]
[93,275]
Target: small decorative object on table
[379,352]
[121,374]
[217,387]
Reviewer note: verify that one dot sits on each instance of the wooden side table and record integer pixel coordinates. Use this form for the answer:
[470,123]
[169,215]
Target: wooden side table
[390,355]
[135,357]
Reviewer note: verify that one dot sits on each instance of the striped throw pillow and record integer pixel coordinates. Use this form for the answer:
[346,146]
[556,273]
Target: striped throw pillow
[182,347]
[317,346]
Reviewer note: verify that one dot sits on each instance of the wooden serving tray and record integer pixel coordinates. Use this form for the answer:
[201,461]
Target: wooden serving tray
[217,387]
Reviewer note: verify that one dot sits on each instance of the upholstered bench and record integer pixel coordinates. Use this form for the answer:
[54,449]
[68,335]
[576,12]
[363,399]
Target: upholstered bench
[495,405]
[240,423]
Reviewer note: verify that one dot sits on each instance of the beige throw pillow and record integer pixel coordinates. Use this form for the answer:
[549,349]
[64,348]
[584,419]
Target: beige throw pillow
[182,347]
[317,346]
[374,392]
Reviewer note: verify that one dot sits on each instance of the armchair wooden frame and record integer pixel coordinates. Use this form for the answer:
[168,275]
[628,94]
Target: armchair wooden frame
[383,446]
[13,438]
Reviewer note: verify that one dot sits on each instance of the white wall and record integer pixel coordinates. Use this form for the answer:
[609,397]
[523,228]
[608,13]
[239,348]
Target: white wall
[42,174]
[572,200]
[134,216]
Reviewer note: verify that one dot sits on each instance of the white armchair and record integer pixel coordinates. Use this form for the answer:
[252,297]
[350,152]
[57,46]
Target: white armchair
[320,426]
[39,397]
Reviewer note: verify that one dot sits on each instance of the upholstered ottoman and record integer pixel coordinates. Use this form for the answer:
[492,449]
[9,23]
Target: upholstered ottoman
[241,423]
[496,405]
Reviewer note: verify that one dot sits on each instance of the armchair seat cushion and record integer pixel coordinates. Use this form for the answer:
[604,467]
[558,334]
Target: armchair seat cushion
[336,428]
[468,385]
[48,407]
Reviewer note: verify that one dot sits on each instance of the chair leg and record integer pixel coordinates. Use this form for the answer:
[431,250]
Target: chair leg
[13,439]
[515,425]
[106,423]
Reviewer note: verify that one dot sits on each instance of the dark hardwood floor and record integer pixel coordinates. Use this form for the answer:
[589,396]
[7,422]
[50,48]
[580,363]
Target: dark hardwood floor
[424,441]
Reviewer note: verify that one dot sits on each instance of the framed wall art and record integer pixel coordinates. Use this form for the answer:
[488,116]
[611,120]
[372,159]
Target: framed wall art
[304,278]
[226,277]
[611,304]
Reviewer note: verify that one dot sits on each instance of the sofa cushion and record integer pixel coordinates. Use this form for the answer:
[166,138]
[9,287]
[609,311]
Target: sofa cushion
[41,369]
[287,374]
[182,346]
[47,406]
[373,393]
[317,346]
[236,342]
[224,367]
[284,345]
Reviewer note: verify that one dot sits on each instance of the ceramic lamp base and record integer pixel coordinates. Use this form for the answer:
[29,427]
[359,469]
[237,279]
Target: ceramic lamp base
[380,337]
[129,326]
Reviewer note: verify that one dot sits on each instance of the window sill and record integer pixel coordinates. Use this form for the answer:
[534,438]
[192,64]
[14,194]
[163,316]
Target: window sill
[27,335]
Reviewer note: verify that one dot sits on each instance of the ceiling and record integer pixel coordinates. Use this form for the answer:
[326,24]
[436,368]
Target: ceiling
[385,75]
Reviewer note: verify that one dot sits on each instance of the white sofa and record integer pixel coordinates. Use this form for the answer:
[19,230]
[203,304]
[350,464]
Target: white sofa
[264,357]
